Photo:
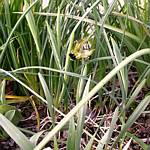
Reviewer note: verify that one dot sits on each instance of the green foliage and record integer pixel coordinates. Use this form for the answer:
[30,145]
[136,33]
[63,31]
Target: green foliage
[15,133]
[10,112]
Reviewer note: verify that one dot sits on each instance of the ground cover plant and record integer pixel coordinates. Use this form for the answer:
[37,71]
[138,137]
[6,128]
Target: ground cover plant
[74,74]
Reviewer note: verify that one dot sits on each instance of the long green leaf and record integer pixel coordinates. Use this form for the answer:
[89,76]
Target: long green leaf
[138,140]
[12,50]
[137,112]
[15,134]
[71,135]
[81,117]
[81,84]
[48,96]
[33,29]
[135,93]
[58,31]
[54,46]
[49,99]
[118,58]
[2,92]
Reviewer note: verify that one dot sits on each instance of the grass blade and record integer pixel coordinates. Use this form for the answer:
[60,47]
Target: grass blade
[81,85]
[81,118]
[71,135]
[90,143]
[15,134]
[58,31]
[137,112]
[48,96]
[2,92]
[139,141]
[49,99]
[12,51]
[33,29]
[135,93]
[34,139]
[105,139]
[127,145]
[118,59]
[54,46]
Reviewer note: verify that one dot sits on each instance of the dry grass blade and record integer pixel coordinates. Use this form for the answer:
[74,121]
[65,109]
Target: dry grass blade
[127,145]
[105,139]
